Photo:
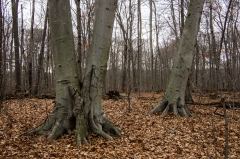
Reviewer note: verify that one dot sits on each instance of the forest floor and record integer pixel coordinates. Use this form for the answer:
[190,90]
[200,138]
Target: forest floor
[143,135]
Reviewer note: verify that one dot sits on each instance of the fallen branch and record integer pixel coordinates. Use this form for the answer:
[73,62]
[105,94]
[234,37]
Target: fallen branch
[228,104]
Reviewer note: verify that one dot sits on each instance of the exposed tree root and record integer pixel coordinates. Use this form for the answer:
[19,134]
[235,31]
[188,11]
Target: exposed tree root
[102,126]
[165,106]
[63,120]
[99,126]
[88,121]
[59,122]
[82,124]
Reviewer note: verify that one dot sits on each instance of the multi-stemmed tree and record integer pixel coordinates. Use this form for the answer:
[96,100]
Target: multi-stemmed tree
[81,108]
[76,107]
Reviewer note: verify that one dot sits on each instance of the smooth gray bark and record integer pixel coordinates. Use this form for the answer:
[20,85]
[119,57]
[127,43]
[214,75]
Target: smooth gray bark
[74,107]
[95,75]
[174,98]
[62,118]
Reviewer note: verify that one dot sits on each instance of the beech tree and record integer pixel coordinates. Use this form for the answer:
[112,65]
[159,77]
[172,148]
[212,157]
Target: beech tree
[174,98]
[75,107]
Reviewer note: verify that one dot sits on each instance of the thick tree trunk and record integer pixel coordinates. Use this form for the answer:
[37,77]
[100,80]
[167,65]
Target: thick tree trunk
[87,110]
[188,92]
[174,99]
[96,120]
[62,118]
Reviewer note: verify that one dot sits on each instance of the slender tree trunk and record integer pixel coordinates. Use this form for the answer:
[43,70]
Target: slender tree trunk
[16,45]
[223,35]
[139,82]
[125,51]
[41,55]
[6,40]
[79,44]
[124,66]
[158,49]
[203,72]
[30,53]
[1,57]
[235,50]
[174,98]
[214,50]
[48,72]
[151,46]
[22,48]
[114,63]
[182,17]
[130,55]
[174,22]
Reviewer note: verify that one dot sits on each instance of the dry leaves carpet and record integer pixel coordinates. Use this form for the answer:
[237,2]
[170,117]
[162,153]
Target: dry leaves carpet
[143,136]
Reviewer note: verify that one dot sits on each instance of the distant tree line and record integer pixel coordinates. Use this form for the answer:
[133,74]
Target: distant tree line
[142,51]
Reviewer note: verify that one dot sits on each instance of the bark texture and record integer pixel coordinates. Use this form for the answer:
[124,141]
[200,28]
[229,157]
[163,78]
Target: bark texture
[1,57]
[75,108]
[93,82]
[174,98]
[62,119]
[16,44]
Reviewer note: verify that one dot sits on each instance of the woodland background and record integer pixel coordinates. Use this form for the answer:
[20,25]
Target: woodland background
[144,45]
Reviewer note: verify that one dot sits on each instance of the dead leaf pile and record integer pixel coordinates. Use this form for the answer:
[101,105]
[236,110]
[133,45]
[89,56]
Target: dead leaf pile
[143,135]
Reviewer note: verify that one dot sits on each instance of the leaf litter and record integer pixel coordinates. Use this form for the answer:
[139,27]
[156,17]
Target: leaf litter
[143,135]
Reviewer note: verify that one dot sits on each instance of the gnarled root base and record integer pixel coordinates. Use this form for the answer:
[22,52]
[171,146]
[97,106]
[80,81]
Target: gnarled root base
[165,106]
[62,120]
[102,126]
[90,120]
[59,122]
